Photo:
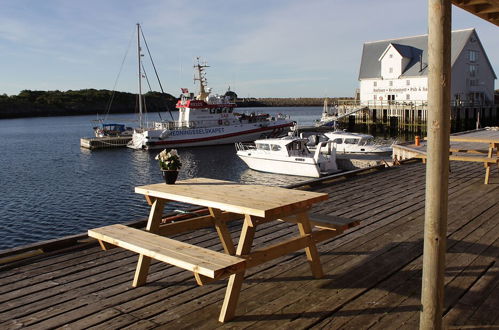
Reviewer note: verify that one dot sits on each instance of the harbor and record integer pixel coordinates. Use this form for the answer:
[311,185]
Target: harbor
[373,271]
[377,211]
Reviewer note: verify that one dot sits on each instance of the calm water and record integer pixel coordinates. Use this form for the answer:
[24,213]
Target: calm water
[50,187]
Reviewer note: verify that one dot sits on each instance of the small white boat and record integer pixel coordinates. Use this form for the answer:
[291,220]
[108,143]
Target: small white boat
[356,143]
[289,155]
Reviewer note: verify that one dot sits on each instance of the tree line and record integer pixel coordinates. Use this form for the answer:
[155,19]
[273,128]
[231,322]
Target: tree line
[30,103]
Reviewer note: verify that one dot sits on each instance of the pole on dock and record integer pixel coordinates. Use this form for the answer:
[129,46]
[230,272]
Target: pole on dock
[437,169]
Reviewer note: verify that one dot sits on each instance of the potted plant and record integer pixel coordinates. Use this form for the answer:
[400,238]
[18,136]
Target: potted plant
[169,164]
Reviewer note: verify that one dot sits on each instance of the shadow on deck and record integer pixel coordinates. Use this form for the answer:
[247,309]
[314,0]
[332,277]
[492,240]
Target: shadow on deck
[373,272]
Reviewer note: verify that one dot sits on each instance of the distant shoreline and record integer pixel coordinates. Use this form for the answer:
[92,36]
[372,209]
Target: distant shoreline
[93,102]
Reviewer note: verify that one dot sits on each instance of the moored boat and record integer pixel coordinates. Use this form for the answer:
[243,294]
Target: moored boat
[289,155]
[208,119]
[356,143]
[112,129]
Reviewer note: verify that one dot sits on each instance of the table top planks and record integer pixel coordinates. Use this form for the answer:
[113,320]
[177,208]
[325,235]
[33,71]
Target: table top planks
[256,200]
[484,136]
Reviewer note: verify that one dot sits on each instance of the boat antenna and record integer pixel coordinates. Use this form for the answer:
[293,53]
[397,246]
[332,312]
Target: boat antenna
[140,76]
[156,72]
[202,79]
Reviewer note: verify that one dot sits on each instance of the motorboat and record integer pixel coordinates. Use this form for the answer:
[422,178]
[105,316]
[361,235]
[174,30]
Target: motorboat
[112,129]
[208,119]
[356,143]
[289,155]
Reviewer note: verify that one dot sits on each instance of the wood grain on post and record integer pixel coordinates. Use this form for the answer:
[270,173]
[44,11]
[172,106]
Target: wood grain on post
[437,170]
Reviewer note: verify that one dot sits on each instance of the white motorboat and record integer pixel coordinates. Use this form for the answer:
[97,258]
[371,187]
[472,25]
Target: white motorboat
[289,155]
[208,120]
[356,143]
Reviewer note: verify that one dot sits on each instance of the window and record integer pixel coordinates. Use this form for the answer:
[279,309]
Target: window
[473,55]
[375,83]
[351,141]
[408,82]
[391,70]
[407,96]
[262,146]
[390,83]
[275,147]
[391,56]
[473,70]
[375,98]
[338,140]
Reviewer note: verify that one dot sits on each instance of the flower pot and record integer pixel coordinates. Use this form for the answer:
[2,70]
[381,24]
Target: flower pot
[170,176]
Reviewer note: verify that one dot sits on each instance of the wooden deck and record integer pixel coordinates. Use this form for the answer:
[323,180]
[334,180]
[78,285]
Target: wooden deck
[373,272]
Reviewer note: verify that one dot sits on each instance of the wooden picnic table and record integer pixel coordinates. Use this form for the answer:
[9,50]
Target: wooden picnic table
[488,157]
[226,201]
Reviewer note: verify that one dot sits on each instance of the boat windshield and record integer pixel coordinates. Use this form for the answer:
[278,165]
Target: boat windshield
[366,142]
[351,141]
[262,146]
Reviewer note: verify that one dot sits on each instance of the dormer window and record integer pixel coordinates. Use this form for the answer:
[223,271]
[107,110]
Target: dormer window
[391,70]
[390,83]
[391,56]
[375,84]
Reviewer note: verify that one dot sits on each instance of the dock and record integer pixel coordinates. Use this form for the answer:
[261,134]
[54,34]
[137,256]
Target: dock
[373,272]
[105,142]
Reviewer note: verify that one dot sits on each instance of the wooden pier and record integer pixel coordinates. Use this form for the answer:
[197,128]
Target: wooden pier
[413,115]
[373,271]
[105,142]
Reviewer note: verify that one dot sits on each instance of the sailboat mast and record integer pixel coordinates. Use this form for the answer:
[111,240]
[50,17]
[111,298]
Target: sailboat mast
[141,124]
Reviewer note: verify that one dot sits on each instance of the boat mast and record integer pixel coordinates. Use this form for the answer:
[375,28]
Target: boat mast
[202,80]
[140,76]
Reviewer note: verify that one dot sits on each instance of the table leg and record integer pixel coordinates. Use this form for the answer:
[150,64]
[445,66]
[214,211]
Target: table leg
[223,231]
[236,280]
[311,251]
[152,225]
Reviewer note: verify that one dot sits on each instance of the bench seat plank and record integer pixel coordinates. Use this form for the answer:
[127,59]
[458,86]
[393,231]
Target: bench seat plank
[196,259]
[331,221]
[479,159]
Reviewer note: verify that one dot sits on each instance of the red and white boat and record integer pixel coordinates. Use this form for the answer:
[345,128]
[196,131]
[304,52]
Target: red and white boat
[208,119]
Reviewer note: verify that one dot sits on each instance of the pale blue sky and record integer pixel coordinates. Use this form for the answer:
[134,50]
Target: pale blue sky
[281,48]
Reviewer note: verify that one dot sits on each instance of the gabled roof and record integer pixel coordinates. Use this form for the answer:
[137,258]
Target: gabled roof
[415,48]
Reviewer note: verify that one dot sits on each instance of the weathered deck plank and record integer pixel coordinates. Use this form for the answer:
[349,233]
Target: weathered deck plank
[373,272]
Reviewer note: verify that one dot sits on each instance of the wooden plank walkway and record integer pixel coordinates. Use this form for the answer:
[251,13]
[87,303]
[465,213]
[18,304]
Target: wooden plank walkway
[373,272]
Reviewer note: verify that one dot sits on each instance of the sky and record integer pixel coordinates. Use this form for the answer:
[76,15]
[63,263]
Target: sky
[258,48]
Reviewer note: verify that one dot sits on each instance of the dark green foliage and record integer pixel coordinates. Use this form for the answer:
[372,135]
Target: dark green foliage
[86,101]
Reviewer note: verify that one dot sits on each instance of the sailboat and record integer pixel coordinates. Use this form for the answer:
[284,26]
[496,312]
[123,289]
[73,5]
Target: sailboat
[204,119]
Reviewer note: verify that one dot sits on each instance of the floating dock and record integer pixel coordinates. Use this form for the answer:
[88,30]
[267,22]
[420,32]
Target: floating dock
[105,142]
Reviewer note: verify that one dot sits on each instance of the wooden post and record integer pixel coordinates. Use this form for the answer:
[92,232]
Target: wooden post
[437,169]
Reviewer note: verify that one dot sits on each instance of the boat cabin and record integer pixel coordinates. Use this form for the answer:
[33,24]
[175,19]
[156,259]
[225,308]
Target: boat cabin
[284,146]
[351,138]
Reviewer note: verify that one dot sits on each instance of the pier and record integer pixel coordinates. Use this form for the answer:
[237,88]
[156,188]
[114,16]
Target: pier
[373,271]
[105,142]
[413,115]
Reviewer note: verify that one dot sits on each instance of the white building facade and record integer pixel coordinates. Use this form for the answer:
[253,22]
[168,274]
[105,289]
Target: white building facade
[396,71]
